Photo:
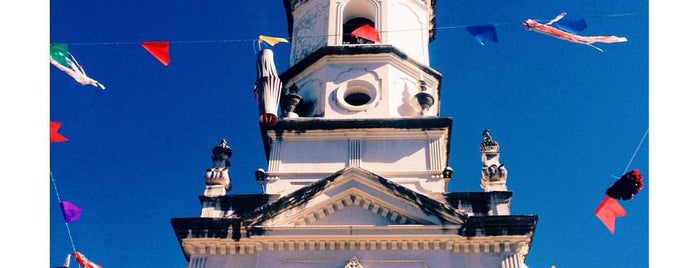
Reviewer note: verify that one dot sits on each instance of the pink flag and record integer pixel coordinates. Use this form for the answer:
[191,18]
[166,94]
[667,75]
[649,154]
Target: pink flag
[608,210]
[159,49]
[367,32]
[71,212]
[55,136]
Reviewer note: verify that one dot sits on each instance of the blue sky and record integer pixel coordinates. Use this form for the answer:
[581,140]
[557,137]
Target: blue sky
[568,119]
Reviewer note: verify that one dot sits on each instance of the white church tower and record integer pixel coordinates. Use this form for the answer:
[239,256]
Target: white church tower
[358,158]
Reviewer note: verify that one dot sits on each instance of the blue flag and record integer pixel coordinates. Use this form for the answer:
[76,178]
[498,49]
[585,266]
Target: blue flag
[571,25]
[483,32]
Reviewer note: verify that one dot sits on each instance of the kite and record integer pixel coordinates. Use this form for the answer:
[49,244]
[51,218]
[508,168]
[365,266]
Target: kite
[54,135]
[624,188]
[64,61]
[84,261]
[367,32]
[159,49]
[567,30]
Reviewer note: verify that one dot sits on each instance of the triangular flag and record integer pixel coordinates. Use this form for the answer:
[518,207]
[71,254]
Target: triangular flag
[576,25]
[64,61]
[159,49]
[71,212]
[367,32]
[66,262]
[55,136]
[271,40]
[84,262]
[608,210]
[483,32]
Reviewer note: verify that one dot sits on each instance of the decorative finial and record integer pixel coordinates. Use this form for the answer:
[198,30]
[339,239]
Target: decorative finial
[493,173]
[218,174]
[424,98]
[291,99]
[488,144]
[221,153]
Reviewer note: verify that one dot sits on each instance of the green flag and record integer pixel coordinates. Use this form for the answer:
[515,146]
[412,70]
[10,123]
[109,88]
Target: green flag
[63,60]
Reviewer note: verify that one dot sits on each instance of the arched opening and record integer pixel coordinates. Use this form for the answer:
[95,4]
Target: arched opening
[352,25]
[357,13]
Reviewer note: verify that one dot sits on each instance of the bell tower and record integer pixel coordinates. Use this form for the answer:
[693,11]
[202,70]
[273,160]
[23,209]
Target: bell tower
[357,157]
[340,76]
[348,101]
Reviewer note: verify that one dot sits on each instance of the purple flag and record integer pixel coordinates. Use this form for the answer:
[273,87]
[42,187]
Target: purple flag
[70,212]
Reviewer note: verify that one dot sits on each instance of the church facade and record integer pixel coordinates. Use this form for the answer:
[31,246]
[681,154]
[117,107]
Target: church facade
[358,157]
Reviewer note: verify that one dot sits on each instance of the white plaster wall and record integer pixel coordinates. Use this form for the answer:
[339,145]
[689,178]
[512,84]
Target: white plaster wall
[394,155]
[313,156]
[403,86]
[395,88]
[310,30]
[407,28]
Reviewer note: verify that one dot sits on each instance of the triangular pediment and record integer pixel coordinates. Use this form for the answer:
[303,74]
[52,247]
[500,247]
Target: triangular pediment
[354,196]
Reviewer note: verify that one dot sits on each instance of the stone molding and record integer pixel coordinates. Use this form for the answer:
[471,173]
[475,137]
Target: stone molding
[505,245]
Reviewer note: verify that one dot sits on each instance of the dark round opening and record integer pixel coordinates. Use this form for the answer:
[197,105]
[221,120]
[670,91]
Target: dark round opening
[357,98]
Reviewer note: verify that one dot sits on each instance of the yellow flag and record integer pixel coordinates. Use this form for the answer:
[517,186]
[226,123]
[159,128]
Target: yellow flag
[271,40]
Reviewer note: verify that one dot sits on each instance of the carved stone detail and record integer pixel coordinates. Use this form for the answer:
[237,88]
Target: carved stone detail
[218,174]
[493,173]
[354,263]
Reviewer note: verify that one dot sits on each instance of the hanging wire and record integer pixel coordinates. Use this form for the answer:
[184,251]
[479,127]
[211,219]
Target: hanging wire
[635,152]
[335,35]
[70,236]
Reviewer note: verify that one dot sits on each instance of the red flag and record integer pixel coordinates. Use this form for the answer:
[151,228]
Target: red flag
[159,49]
[84,262]
[608,210]
[55,136]
[367,32]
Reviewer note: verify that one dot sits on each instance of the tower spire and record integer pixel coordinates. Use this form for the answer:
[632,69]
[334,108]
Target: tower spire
[216,178]
[493,173]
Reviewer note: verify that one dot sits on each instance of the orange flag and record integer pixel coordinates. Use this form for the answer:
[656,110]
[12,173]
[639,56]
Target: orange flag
[55,136]
[159,49]
[608,210]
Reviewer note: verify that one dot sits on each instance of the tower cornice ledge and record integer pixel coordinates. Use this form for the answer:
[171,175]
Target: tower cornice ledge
[356,50]
[300,125]
[500,225]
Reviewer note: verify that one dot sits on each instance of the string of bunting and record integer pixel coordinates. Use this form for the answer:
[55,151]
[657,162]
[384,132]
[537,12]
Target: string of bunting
[559,27]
